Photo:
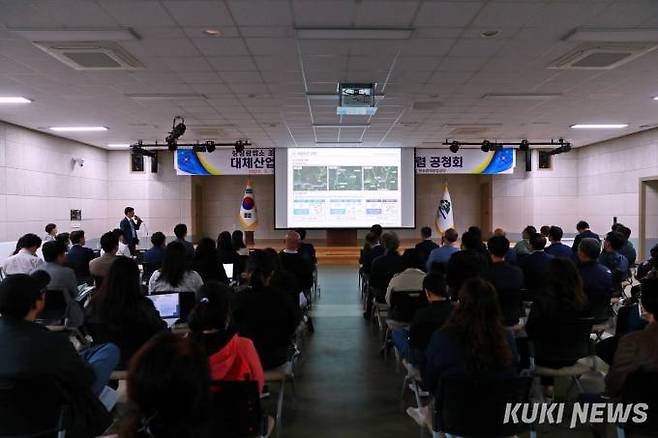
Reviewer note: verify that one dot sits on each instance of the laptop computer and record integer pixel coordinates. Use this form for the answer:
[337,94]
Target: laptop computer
[167,304]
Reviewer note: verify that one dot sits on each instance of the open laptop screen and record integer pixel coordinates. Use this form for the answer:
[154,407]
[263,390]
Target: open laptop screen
[167,304]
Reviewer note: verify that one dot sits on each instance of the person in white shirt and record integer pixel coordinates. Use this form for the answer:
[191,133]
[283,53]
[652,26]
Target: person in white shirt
[124,250]
[412,275]
[24,260]
[174,275]
[51,232]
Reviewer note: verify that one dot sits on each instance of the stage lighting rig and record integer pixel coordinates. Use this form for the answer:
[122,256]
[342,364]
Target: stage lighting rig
[524,145]
[239,146]
[486,146]
[177,131]
[454,146]
[210,146]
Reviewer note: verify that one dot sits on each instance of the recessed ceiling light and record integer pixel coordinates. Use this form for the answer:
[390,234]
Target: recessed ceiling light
[17,99]
[489,33]
[118,145]
[655,98]
[212,32]
[78,128]
[520,96]
[599,125]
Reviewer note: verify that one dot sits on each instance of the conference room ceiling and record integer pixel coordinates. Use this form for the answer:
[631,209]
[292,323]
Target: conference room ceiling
[254,79]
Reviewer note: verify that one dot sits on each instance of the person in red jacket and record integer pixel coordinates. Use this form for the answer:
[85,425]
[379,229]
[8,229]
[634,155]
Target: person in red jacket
[231,357]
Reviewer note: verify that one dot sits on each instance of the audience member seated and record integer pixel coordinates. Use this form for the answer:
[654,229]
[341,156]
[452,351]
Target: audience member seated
[180,231]
[473,340]
[175,275]
[465,264]
[382,270]
[293,262]
[480,246]
[439,257]
[28,350]
[613,260]
[237,239]
[583,232]
[535,265]
[545,230]
[426,245]
[266,315]
[24,260]
[371,250]
[648,265]
[412,275]
[637,351]
[227,254]
[597,279]
[506,278]
[231,356]
[510,257]
[65,238]
[120,313]
[628,250]
[99,267]
[522,247]
[169,389]
[412,343]
[557,248]
[306,249]
[79,256]
[562,302]
[123,250]
[51,233]
[153,257]
[63,279]
[206,262]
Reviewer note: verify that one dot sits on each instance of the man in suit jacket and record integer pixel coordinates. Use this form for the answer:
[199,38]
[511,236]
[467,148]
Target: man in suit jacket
[180,231]
[583,232]
[597,279]
[79,256]
[465,264]
[557,248]
[372,250]
[129,225]
[293,262]
[382,270]
[426,245]
[637,351]
[535,265]
[506,278]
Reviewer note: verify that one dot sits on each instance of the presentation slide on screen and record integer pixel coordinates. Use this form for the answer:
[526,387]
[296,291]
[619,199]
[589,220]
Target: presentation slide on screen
[344,188]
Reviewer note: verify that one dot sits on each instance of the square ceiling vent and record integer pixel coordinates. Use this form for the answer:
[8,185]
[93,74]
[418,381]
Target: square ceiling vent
[91,55]
[602,56]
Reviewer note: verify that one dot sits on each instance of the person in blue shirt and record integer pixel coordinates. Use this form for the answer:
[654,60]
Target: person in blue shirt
[557,248]
[442,254]
[597,279]
[613,260]
[154,256]
[628,250]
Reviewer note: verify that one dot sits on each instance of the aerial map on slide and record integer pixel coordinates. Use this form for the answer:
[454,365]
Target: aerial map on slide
[345,178]
[309,178]
[380,178]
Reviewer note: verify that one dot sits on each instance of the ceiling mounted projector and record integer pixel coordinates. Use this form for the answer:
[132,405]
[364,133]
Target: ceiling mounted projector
[356,99]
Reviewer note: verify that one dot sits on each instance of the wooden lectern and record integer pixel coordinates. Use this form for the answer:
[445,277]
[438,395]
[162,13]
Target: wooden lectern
[342,237]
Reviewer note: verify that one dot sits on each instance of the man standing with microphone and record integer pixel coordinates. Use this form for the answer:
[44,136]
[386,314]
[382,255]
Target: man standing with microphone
[129,225]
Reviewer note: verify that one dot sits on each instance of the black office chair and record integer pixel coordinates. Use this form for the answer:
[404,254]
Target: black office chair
[469,406]
[32,407]
[404,304]
[641,387]
[511,305]
[54,311]
[237,410]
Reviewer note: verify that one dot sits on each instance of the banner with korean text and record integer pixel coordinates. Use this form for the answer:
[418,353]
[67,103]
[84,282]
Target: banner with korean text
[260,161]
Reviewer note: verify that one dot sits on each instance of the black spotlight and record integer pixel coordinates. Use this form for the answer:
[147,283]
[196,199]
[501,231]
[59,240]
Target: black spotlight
[239,146]
[210,146]
[486,145]
[454,147]
[524,145]
[177,131]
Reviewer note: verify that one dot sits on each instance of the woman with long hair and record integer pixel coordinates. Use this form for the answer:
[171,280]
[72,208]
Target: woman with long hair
[237,239]
[175,275]
[120,313]
[206,262]
[473,341]
[561,304]
[265,314]
[169,386]
[231,356]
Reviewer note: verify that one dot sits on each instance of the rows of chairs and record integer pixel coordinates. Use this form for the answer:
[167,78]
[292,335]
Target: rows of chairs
[458,401]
